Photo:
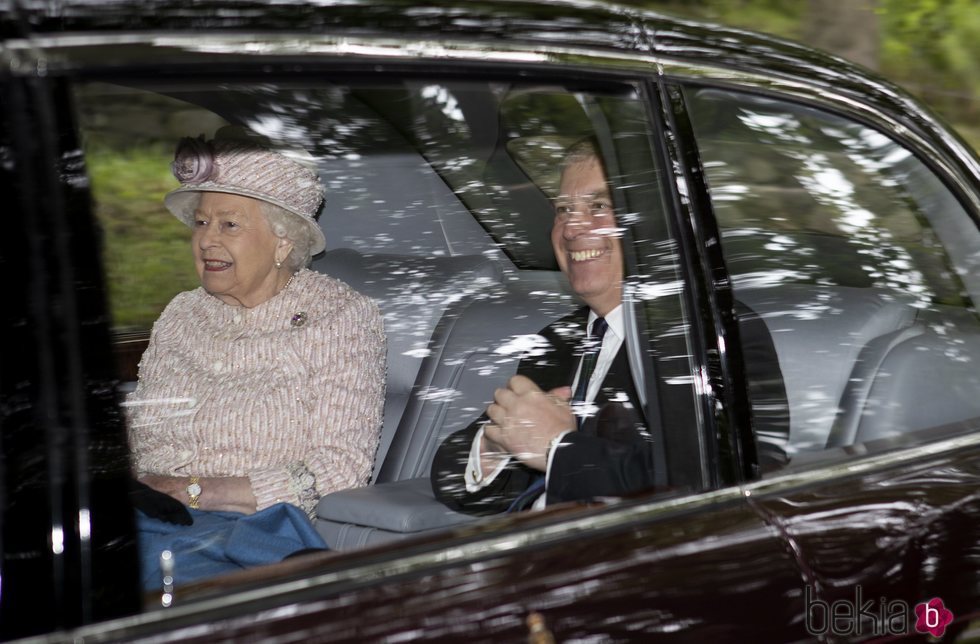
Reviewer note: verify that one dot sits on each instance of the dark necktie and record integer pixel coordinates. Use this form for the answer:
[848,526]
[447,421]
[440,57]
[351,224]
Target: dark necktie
[591,355]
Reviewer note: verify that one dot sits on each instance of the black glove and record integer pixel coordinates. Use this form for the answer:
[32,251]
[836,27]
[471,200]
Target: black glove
[158,505]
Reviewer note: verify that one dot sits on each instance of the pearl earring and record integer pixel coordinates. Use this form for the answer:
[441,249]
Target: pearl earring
[278,264]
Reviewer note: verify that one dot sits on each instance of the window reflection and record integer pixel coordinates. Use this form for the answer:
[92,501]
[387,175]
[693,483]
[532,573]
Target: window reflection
[856,258]
[438,206]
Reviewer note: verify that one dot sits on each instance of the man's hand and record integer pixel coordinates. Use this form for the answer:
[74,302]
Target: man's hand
[525,419]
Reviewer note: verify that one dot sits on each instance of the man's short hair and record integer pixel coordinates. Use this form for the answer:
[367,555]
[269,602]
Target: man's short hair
[582,150]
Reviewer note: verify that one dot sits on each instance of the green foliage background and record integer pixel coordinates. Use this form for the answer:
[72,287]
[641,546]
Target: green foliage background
[147,250]
[929,47]
[932,47]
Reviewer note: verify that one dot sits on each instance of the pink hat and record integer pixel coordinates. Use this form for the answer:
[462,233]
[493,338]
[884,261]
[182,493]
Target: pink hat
[236,164]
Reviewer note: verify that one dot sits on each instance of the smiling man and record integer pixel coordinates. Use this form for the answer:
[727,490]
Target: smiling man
[569,425]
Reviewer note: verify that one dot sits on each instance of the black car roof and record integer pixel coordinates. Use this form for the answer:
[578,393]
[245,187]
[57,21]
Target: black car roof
[543,23]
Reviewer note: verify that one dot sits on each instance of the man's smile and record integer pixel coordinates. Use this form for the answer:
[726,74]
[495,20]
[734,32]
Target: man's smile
[586,255]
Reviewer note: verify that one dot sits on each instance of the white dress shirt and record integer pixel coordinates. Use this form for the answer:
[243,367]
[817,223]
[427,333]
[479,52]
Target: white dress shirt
[611,342]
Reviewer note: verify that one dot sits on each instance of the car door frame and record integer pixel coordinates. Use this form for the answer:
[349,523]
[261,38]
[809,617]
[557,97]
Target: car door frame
[471,551]
[65,469]
[724,452]
[855,484]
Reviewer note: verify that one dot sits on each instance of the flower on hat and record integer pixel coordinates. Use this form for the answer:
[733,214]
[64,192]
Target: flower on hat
[235,161]
[193,161]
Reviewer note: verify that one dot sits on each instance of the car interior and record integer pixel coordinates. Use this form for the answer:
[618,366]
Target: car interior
[857,258]
[437,206]
[461,296]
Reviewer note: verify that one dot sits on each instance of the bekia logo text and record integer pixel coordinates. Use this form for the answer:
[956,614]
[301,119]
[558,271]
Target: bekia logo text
[847,618]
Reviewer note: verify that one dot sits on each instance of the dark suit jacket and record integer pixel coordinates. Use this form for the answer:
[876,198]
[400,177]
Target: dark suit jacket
[611,454]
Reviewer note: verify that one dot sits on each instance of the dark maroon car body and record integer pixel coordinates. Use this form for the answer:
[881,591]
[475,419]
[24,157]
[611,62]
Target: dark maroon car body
[837,547]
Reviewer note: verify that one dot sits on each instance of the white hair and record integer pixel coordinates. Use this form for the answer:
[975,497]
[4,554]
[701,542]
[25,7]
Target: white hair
[579,152]
[286,225]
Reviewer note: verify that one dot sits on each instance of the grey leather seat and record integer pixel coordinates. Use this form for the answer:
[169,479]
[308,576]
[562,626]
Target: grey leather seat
[917,378]
[836,347]
[412,293]
[820,334]
[474,348]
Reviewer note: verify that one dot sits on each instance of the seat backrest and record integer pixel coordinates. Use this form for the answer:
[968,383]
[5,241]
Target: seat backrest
[819,333]
[412,293]
[918,378]
[475,349]
[393,203]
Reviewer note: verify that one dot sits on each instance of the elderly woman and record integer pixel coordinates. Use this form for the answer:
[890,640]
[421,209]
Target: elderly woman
[262,390]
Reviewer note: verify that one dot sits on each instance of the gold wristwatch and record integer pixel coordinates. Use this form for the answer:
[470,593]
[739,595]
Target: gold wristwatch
[194,493]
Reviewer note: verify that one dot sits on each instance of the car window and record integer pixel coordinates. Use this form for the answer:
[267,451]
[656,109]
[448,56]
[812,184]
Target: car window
[425,171]
[439,206]
[128,140]
[858,260]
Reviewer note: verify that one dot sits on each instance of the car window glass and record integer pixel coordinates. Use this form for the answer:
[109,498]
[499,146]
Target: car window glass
[375,143]
[128,140]
[438,205]
[859,261]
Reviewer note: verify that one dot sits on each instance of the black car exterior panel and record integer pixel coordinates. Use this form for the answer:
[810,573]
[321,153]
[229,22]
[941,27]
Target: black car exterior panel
[67,547]
[694,569]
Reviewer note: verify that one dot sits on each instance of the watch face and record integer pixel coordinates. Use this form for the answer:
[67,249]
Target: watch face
[194,489]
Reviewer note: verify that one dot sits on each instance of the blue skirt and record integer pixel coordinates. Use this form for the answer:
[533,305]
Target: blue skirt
[221,542]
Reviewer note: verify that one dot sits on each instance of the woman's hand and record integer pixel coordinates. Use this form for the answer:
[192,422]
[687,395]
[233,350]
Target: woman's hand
[157,505]
[227,493]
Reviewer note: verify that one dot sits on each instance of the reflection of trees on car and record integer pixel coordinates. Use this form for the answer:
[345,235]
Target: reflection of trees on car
[793,191]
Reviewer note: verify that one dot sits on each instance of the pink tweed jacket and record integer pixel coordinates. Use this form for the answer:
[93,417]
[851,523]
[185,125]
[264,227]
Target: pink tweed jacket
[289,393]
